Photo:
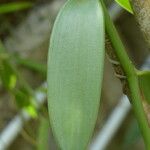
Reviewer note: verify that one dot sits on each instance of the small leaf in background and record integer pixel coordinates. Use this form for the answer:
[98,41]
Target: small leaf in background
[31,64]
[31,110]
[22,97]
[125,4]
[144,81]
[7,75]
[75,72]
[7,72]
[144,84]
[14,6]
[25,100]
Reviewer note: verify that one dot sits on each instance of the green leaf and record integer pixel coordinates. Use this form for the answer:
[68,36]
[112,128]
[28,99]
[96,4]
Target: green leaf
[25,100]
[7,72]
[31,110]
[31,64]
[125,4]
[22,97]
[144,81]
[14,6]
[75,71]
[7,75]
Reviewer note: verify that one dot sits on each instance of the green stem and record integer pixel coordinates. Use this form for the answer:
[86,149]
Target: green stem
[132,79]
[43,143]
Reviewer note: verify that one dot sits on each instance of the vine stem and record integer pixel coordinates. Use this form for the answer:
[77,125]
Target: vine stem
[131,75]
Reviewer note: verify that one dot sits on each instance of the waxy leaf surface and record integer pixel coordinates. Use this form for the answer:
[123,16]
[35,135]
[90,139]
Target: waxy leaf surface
[75,70]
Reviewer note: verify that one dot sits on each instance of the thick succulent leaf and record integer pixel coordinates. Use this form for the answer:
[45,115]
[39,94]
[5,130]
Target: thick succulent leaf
[144,81]
[75,70]
[125,4]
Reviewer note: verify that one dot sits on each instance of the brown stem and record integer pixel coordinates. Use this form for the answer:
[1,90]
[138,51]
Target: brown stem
[141,10]
[119,72]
